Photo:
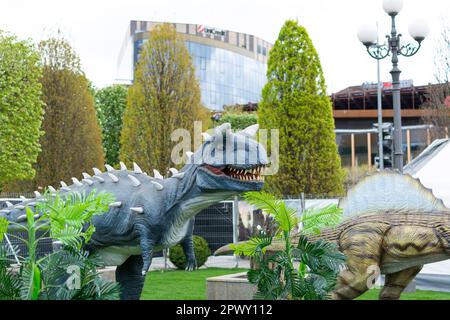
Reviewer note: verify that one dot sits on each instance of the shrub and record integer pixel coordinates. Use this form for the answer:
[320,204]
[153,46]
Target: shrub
[201,249]
[239,121]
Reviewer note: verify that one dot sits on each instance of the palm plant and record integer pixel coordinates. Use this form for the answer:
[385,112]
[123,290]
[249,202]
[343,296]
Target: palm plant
[319,262]
[64,220]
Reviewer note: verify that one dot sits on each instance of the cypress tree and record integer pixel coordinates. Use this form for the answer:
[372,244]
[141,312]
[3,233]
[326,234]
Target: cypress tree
[110,103]
[165,96]
[72,141]
[294,100]
[21,108]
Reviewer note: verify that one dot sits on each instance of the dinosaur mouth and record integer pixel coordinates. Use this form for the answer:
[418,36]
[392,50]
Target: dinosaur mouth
[251,174]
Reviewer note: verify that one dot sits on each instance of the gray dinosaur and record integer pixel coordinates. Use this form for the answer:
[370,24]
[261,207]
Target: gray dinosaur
[151,213]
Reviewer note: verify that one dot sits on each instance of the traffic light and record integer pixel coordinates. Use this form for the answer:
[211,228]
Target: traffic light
[388,147]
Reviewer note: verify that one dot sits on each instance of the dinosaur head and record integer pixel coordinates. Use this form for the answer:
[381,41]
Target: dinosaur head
[230,161]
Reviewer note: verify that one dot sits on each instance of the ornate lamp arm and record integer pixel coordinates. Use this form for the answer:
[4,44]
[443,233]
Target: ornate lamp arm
[409,50]
[378,51]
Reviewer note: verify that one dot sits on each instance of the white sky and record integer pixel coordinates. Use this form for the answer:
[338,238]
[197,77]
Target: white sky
[97,29]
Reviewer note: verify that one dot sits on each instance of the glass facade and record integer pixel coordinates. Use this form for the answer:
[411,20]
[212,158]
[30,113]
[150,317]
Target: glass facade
[225,77]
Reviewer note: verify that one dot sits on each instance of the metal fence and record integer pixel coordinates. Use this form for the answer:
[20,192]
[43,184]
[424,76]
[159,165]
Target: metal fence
[215,224]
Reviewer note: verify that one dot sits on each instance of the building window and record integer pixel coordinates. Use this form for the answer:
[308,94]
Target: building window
[259,49]
[264,52]
[202,63]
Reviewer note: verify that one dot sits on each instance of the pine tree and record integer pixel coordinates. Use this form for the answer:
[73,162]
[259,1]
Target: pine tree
[294,100]
[72,141]
[21,108]
[165,96]
[110,103]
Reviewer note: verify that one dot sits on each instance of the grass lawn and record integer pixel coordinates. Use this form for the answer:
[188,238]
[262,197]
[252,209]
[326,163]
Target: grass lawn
[183,285]
[418,295]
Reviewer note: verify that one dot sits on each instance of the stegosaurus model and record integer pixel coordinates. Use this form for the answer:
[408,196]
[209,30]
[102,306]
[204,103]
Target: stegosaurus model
[151,213]
[391,224]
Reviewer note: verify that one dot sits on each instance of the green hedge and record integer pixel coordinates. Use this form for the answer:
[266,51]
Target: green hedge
[239,121]
[201,249]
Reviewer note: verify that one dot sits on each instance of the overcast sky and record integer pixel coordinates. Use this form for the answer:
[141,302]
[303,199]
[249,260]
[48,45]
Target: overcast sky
[97,29]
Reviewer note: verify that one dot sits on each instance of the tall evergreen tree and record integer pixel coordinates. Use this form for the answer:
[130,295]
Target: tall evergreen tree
[110,103]
[21,108]
[72,141]
[165,96]
[294,100]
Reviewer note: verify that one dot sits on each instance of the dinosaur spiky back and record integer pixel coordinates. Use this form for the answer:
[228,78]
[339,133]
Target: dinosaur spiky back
[390,192]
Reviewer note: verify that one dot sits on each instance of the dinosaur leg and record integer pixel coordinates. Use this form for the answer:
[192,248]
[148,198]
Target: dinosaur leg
[396,282]
[188,248]
[129,275]
[362,248]
[147,245]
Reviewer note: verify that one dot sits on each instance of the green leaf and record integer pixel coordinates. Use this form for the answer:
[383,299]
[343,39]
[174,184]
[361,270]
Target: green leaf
[31,281]
[3,227]
[252,247]
[286,218]
[316,219]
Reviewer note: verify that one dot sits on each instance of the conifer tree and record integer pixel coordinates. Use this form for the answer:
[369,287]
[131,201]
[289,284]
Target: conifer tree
[110,103]
[72,141]
[165,96]
[294,100]
[21,108]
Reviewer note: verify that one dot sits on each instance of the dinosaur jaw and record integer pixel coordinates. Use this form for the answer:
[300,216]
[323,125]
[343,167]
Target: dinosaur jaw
[250,174]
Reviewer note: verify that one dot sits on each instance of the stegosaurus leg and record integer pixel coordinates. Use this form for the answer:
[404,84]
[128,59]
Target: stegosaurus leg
[129,276]
[395,283]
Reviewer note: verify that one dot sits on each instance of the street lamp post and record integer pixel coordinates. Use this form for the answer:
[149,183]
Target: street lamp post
[368,35]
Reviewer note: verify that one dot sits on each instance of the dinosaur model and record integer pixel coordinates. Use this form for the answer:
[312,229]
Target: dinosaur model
[152,213]
[391,225]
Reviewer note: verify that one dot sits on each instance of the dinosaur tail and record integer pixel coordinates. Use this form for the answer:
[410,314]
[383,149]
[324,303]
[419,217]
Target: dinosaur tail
[330,235]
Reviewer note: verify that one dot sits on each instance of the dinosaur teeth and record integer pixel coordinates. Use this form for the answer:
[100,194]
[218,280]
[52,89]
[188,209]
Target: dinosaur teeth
[63,184]
[99,179]
[134,181]
[51,189]
[8,204]
[108,167]
[137,209]
[136,168]
[96,171]
[21,218]
[173,171]
[77,182]
[5,211]
[20,207]
[123,166]
[37,194]
[23,198]
[113,177]
[86,175]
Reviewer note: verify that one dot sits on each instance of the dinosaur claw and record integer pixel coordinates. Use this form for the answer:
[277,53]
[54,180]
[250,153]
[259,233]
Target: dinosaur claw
[144,272]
